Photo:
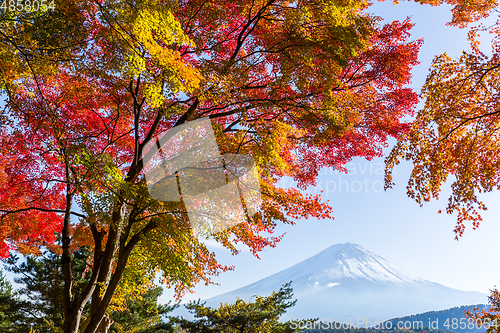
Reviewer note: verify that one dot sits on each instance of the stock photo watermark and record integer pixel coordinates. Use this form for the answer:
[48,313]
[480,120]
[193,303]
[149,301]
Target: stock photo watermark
[185,164]
[27,5]
[433,324]
[220,191]
[364,177]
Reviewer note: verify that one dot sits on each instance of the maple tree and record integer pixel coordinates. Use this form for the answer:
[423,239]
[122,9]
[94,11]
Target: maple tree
[455,135]
[488,320]
[296,85]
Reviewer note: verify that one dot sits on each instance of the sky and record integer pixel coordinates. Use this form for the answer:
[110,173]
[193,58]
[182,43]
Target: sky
[415,239]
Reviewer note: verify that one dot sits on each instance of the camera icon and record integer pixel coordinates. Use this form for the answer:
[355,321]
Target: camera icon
[218,191]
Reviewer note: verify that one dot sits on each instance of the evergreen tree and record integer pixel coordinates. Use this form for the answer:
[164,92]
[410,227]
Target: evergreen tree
[42,286]
[261,314]
[10,307]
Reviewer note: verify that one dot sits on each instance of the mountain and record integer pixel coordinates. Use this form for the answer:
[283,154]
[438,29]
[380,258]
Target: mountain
[346,282]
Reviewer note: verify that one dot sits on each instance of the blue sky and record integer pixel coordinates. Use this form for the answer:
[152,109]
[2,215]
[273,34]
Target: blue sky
[414,238]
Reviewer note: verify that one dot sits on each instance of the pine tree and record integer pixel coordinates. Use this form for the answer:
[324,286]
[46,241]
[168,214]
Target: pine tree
[260,314]
[10,307]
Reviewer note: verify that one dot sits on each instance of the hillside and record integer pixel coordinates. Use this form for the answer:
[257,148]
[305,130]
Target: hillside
[451,319]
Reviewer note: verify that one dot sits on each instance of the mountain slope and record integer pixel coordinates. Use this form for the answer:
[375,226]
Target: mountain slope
[450,319]
[348,282]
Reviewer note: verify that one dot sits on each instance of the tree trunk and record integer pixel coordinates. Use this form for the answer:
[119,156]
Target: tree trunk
[72,322]
[106,323]
[104,326]
[98,320]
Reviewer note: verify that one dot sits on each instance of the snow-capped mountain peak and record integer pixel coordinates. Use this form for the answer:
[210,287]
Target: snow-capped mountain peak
[339,264]
[346,280]
[351,261]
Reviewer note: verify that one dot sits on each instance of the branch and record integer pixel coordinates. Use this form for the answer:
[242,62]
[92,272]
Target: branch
[123,256]
[7,212]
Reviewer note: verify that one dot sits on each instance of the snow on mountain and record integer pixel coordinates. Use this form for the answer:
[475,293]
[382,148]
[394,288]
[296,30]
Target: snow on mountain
[346,281]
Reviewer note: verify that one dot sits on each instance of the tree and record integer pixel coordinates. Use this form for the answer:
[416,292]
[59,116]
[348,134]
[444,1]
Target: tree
[143,315]
[487,319]
[10,307]
[261,314]
[42,289]
[42,285]
[455,135]
[295,85]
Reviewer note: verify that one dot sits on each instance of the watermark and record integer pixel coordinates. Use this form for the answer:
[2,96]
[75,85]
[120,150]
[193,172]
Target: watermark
[27,5]
[358,178]
[185,164]
[346,185]
[449,324]
[327,323]
[358,169]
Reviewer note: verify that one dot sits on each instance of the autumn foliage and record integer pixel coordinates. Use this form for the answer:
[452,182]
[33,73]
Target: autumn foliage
[489,318]
[297,85]
[454,137]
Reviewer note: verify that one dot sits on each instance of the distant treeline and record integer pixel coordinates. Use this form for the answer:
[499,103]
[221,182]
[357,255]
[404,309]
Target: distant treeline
[452,319]
[444,321]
